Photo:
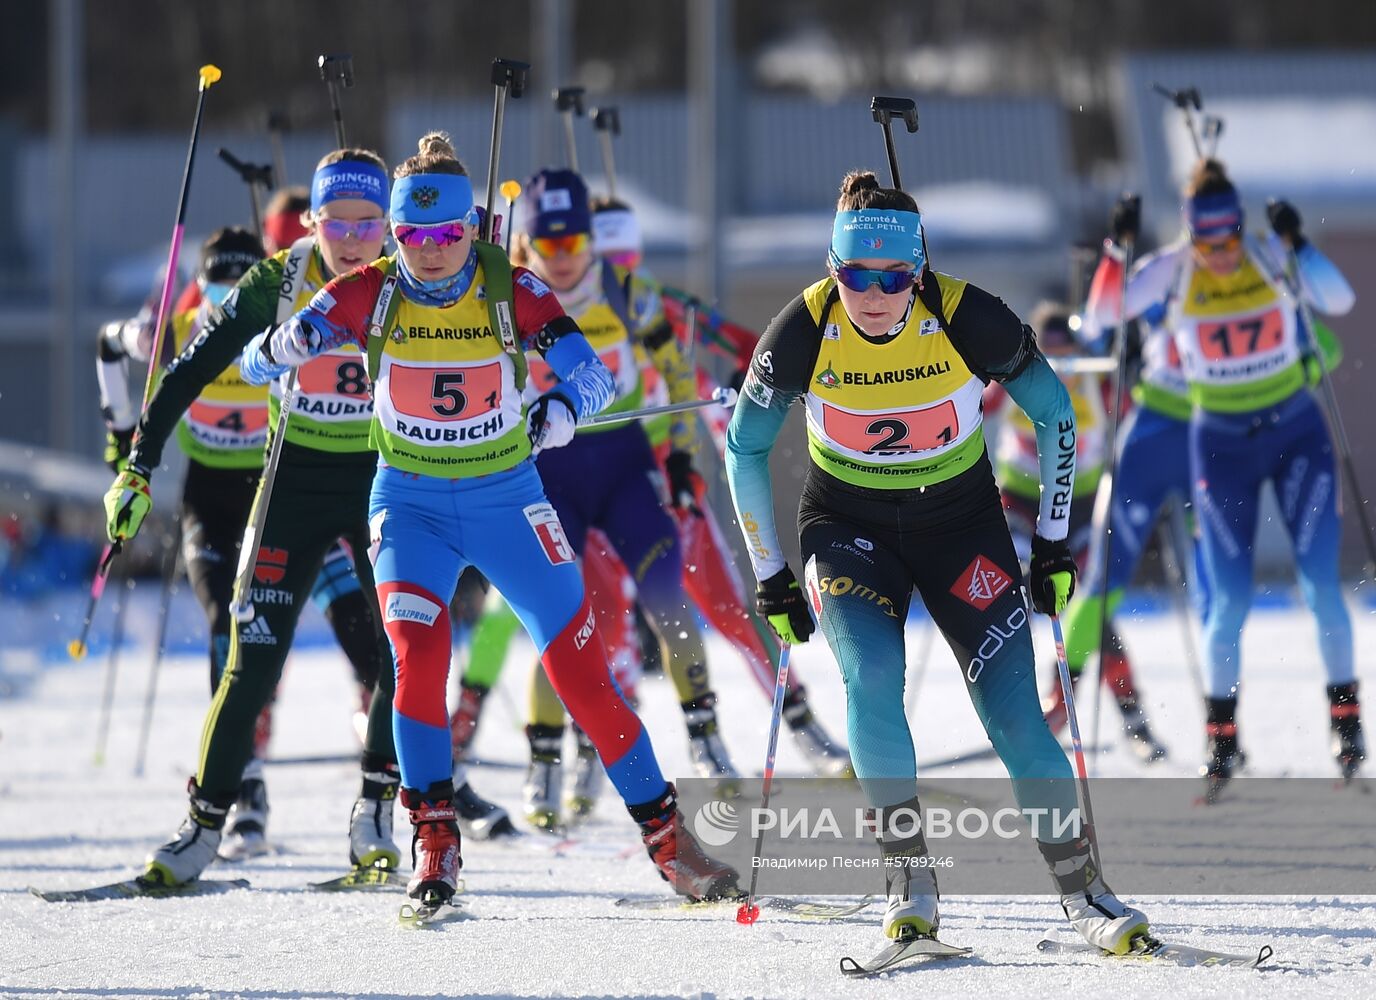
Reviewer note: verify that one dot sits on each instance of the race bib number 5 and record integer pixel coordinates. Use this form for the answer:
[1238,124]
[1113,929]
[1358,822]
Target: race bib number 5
[545,523]
[445,393]
[893,433]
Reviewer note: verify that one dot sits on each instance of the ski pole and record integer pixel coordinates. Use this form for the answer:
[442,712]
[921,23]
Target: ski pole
[1082,776]
[1120,377]
[278,123]
[107,698]
[1213,131]
[207,76]
[568,101]
[1332,411]
[724,396]
[749,911]
[169,576]
[511,190]
[1188,101]
[885,110]
[337,71]
[508,79]
[253,176]
[607,122]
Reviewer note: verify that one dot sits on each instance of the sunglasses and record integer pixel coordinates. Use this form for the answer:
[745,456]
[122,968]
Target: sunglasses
[442,234]
[215,292]
[336,230]
[552,246]
[859,279]
[1226,245]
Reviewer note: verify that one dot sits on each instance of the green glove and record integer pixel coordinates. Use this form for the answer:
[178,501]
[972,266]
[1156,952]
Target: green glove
[117,445]
[780,601]
[127,503]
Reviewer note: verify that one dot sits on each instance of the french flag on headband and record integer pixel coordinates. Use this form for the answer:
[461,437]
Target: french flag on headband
[1211,215]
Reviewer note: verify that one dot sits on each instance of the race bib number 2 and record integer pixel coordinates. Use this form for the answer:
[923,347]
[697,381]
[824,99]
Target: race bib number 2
[893,433]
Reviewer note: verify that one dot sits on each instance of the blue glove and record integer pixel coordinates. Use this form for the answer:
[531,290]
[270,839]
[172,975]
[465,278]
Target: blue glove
[254,364]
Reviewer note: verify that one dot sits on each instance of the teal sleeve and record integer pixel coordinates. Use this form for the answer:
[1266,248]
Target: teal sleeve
[755,424]
[1047,404]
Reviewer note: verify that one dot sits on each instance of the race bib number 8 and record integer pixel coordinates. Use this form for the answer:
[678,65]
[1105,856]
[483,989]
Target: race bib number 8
[1241,338]
[445,393]
[893,433]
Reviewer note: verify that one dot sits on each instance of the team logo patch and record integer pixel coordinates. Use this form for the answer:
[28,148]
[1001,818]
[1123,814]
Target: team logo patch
[766,362]
[537,287]
[425,197]
[404,607]
[756,391]
[814,593]
[872,242]
[584,635]
[832,332]
[271,566]
[865,544]
[257,633]
[982,583]
[828,379]
[928,326]
[545,523]
[557,200]
[322,301]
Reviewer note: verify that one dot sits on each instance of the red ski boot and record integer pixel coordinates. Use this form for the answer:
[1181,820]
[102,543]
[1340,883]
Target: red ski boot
[435,845]
[681,862]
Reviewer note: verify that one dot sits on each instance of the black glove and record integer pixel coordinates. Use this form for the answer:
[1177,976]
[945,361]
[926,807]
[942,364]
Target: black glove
[781,602]
[1053,573]
[686,488]
[1285,221]
[117,445]
[738,379]
[1126,221]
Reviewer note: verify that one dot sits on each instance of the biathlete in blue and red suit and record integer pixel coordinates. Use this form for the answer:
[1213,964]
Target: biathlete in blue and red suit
[446,323]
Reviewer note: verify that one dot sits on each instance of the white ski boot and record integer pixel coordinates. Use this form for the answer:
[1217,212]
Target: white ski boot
[1099,916]
[246,830]
[912,896]
[371,844]
[544,779]
[588,779]
[705,745]
[191,850]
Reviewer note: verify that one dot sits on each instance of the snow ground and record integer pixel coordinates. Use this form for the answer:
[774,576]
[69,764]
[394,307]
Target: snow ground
[546,923]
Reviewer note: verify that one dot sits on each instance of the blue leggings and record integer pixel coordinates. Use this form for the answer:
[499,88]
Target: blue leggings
[425,531]
[1233,456]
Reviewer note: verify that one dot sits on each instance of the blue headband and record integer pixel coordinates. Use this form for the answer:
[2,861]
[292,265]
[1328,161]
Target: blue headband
[422,199]
[1210,215]
[884,233]
[349,179]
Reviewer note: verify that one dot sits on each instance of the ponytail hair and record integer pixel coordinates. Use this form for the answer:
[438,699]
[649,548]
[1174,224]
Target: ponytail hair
[435,155]
[860,189]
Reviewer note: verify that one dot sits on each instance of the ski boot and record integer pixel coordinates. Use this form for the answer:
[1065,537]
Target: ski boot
[911,910]
[1097,915]
[1345,720]
[463,724]
[192,848]
[370,823]
[544,780]
[1221,746]
[705,745]
[479,819]
[680,860]
[588,779]
[246,830]
[436,849]
[827,759]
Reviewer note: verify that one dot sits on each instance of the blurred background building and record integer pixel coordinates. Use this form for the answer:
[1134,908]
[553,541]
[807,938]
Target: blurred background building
[738,121]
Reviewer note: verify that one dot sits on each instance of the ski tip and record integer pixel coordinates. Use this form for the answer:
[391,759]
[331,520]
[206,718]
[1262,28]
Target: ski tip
[1264,955]
[850,967]
[747,914]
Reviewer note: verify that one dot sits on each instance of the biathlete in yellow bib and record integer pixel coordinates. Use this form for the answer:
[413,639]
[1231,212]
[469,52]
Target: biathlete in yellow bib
[890,360]
[446,324]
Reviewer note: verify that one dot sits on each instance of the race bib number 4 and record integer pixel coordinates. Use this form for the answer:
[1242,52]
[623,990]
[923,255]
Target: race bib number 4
[545,523]
[445,393]
[893,433]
